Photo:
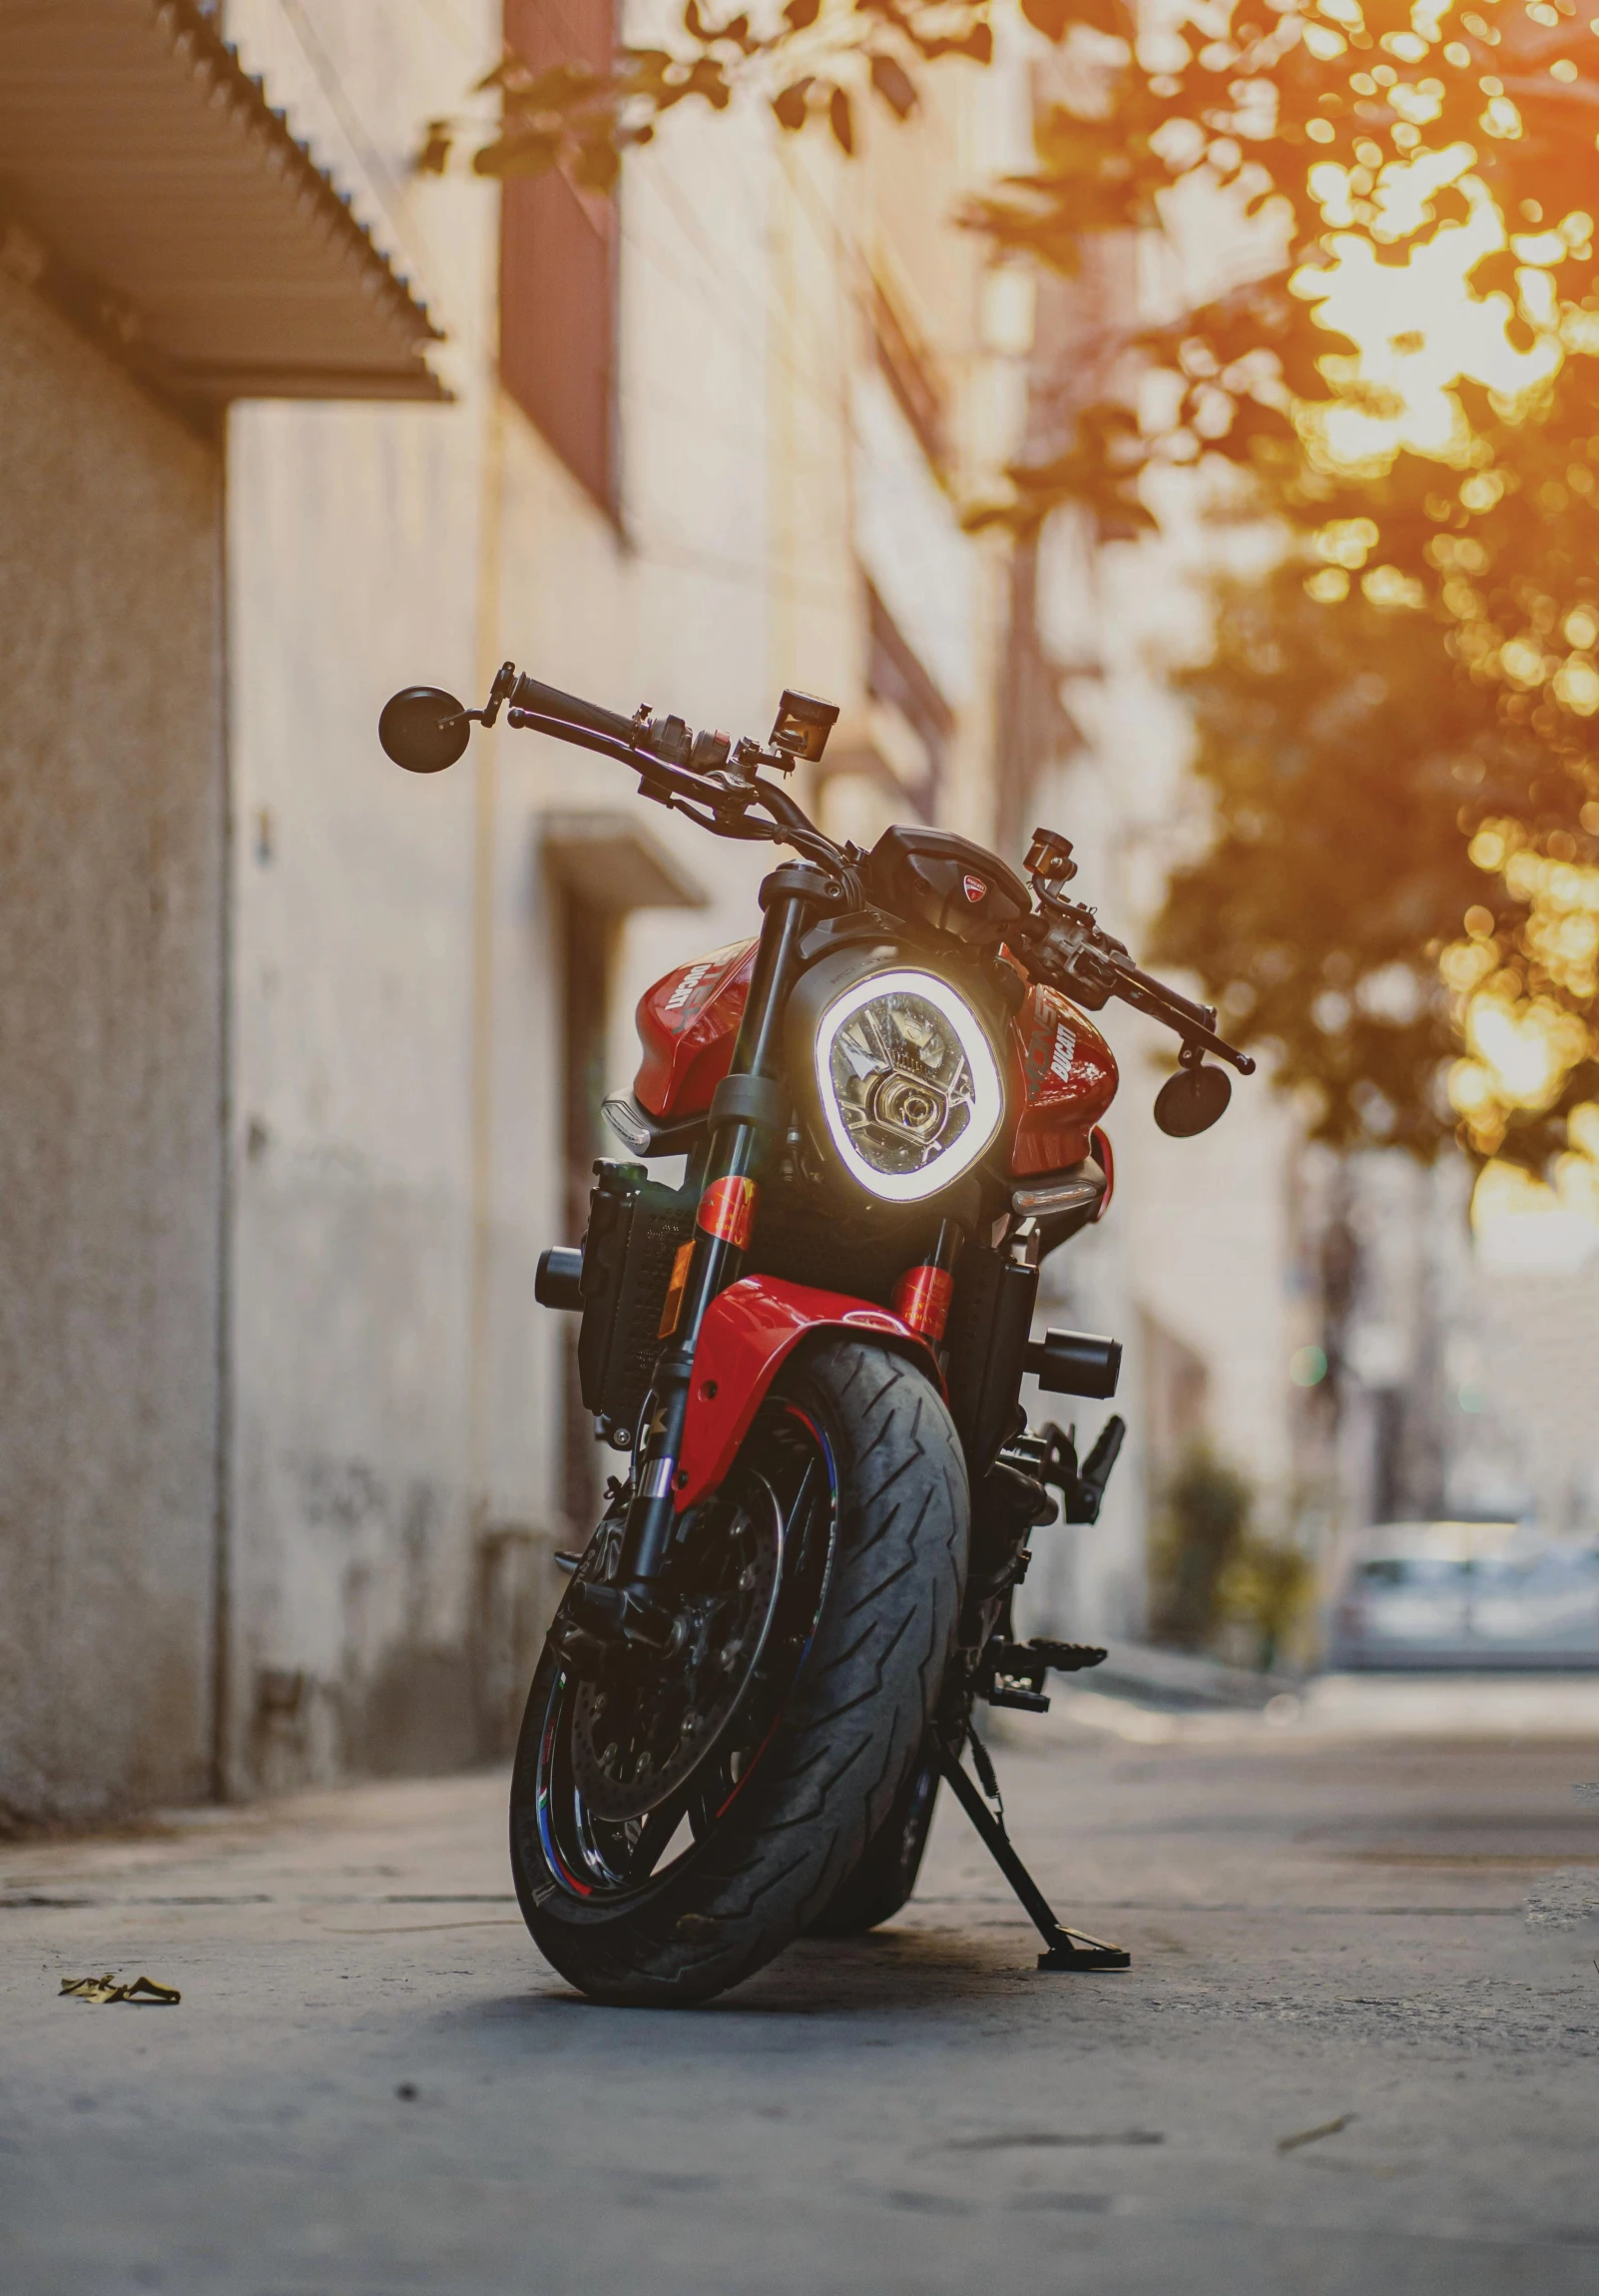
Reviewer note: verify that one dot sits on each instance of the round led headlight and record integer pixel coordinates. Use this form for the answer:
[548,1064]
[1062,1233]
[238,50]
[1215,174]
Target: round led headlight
[908,1082]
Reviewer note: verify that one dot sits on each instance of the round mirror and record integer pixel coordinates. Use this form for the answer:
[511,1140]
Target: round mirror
[1192,1100]
[424,728]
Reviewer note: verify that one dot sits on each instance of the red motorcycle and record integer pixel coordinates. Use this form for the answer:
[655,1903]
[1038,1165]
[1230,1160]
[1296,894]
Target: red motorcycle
[808,1359]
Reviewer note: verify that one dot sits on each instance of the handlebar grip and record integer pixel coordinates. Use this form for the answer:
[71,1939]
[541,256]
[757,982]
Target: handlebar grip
[1202,1013]
[550,701]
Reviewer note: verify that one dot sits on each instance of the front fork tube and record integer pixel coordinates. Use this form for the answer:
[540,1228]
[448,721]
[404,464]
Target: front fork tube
[723,1223]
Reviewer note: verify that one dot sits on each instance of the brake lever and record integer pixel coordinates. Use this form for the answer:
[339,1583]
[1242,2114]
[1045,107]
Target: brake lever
[1094,966]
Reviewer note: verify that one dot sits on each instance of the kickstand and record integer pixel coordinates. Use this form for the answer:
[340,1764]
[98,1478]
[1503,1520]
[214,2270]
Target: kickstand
[1064,1948]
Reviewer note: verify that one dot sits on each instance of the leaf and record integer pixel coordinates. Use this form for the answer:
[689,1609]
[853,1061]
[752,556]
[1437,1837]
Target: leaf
[597,166]
[1497,273]
[530,151]
[433,154]
[895,85]
[509,65]
[709,80]
[841,119]
[792,104]
[1051,17]
[1055,18]
[556,90]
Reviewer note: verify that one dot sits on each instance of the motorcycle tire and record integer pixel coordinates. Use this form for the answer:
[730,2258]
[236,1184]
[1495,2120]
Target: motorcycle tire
[886,1874]
[855,1460]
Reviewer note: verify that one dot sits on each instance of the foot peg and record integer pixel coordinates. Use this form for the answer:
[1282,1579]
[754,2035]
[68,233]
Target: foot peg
[1012,1673]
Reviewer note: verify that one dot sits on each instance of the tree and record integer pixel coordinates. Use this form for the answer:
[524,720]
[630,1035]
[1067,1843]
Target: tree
[1201,1528]
[1334,749]
[1360,140]
[1374,903]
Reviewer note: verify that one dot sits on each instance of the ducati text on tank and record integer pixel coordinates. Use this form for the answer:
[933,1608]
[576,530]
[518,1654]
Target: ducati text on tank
[808,1358]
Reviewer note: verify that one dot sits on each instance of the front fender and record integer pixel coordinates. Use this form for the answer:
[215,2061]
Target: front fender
[747,1332]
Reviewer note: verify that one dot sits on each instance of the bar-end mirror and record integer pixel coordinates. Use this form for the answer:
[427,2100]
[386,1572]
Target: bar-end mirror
[424,729]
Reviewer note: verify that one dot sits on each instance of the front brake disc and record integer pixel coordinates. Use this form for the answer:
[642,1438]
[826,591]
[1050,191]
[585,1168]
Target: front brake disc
[642,1729]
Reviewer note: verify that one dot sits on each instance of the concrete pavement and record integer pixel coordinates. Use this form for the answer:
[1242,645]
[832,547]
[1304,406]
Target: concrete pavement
[1358,2048]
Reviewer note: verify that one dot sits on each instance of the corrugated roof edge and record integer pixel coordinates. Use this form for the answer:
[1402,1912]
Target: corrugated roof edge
[188,22]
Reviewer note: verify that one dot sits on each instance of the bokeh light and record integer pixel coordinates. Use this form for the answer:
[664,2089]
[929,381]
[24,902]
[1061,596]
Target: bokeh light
[1419,326]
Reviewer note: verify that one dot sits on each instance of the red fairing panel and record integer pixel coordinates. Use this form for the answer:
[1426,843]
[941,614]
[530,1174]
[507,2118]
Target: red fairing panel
[748,1331]
[687,1025]
[1063,1078]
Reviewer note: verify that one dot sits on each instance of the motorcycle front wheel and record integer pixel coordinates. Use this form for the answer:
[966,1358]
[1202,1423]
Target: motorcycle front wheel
[678,1817]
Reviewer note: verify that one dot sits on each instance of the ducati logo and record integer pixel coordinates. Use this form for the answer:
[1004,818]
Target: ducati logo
[973,886]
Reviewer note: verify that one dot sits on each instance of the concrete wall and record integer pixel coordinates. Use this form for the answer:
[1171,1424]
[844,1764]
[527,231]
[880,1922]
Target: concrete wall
[395,1473]
[112,839]
[362,1510]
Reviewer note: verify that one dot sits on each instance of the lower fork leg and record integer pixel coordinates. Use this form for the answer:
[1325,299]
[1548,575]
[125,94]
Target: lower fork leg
[1064,1948]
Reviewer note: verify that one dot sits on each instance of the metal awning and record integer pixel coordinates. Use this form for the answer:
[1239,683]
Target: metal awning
[150,186]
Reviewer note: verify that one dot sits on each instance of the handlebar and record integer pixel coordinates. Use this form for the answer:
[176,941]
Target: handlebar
[718,784]
[706,775]
[571,710]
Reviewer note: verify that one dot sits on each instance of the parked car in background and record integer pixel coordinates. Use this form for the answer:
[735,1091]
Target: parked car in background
[1479,1595]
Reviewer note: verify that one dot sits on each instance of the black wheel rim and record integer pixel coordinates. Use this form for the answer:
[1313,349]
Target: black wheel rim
[641,1761]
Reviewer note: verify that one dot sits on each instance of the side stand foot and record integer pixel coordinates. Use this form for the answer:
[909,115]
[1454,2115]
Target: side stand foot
[1075,1952]
[1064,1948]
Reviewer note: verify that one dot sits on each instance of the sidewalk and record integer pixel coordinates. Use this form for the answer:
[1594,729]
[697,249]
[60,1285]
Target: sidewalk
[1356,2051]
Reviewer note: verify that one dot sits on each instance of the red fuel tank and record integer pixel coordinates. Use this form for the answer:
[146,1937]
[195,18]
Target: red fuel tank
[1063,1078]
[687,1025]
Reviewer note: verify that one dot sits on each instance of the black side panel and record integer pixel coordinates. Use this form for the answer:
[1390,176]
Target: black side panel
[989,1321]
[635,1228]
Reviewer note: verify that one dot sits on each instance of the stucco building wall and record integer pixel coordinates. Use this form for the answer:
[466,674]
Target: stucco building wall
[111,845]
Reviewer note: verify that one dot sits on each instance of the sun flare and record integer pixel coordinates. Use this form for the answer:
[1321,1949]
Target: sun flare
[1419,326]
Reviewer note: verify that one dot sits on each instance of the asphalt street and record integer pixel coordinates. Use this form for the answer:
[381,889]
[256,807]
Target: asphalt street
[1357,2051]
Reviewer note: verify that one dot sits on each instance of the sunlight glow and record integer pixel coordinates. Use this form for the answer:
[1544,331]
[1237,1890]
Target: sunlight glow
[1523,1226]
[1521,1047]
[1418,325]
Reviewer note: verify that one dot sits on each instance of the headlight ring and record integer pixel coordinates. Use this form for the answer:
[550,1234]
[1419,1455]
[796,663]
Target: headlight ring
[908,1083]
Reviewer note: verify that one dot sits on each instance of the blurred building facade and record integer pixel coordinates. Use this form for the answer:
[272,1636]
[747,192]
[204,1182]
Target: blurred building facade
[698,445]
